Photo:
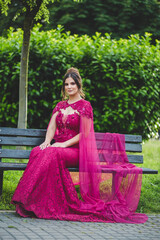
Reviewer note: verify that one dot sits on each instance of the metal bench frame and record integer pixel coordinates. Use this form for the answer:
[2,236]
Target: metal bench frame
[34,137]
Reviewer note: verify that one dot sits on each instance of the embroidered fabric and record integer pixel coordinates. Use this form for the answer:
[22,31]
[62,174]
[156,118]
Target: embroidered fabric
[110,190]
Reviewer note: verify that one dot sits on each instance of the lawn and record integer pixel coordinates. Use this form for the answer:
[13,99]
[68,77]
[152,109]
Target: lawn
[150,194]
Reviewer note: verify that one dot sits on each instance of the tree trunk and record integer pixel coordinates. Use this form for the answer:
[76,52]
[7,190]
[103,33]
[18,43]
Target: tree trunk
[23,81]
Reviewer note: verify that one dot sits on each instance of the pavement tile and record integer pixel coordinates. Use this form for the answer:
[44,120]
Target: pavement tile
[13,226]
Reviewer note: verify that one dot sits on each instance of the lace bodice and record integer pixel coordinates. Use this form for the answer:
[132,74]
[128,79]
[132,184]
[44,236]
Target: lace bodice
[82,106]
[68,118]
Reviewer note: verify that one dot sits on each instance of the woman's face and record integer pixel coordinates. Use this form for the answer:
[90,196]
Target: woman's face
[71,87]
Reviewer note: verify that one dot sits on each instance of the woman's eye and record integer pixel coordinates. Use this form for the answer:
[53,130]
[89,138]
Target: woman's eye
[72,83]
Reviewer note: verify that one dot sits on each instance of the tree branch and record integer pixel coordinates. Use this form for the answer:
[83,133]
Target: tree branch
[25,4]
[33,12]
[30,14]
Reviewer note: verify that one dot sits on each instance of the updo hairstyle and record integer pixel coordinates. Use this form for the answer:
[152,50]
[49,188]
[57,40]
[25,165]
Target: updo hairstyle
[74,74]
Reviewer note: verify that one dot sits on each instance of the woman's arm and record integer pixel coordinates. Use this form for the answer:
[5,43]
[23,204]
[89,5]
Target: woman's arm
[50,132]
[67,143]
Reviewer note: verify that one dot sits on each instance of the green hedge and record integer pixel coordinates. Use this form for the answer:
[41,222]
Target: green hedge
[121,78]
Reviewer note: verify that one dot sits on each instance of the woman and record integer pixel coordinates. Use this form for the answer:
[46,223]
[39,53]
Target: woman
[46,189]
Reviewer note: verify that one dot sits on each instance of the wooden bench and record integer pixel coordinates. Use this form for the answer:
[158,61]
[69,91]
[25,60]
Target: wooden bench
[33,137]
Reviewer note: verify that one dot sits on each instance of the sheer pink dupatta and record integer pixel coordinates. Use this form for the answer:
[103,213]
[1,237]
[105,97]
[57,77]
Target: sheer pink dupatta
[114,194]
[89,165]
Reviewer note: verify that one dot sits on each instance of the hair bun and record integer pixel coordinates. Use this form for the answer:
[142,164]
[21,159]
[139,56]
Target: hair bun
[73,70]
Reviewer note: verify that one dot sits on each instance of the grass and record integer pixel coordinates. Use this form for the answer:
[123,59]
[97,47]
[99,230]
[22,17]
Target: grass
[150,194]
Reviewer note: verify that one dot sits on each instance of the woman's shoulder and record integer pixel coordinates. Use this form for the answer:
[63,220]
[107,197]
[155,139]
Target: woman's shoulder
[86,109]
[61,103]
[86,103]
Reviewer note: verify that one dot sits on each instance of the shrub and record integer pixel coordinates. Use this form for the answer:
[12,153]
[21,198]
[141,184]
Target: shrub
[121,78]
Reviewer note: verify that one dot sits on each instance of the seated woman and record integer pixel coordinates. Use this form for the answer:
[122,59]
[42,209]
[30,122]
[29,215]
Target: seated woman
[46,189]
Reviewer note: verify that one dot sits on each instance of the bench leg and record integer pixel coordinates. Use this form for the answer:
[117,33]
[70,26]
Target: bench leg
[1,182]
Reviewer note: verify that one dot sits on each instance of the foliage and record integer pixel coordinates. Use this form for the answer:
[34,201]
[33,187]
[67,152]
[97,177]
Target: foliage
[150,194]
[121,18]
[25,7]
[121,78]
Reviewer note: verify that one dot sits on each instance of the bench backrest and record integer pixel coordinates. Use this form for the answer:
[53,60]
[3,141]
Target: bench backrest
[34,137]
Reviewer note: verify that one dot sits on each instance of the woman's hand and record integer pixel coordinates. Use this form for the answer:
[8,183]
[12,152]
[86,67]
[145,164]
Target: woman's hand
[59,144]
[44,145]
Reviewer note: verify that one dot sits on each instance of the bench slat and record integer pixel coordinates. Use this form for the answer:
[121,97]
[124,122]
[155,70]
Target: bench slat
[12,166]
[144,170]
[149,171]
[24,154]
[21,141]
[128,137]
[135,158]
[131,158]
[14,154]
[22,166]
[5,131]
[133,138]
[33,141]
[130,147]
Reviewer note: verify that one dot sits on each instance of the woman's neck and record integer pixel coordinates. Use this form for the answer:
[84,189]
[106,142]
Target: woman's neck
[73,99]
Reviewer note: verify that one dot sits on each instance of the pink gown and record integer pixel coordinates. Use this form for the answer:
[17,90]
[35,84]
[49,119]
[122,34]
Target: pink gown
[46,189]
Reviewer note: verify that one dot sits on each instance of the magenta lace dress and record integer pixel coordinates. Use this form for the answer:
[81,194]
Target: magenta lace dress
[46,189]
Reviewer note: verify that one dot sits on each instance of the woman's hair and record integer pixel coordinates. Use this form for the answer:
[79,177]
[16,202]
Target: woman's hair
[74,74]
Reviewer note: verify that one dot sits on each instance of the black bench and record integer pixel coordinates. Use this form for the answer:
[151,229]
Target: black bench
[34,137]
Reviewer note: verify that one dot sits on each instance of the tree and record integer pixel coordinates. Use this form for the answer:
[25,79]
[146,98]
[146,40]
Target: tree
[32,10]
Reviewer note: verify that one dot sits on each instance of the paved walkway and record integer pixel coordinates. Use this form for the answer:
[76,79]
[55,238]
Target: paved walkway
[14,227]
